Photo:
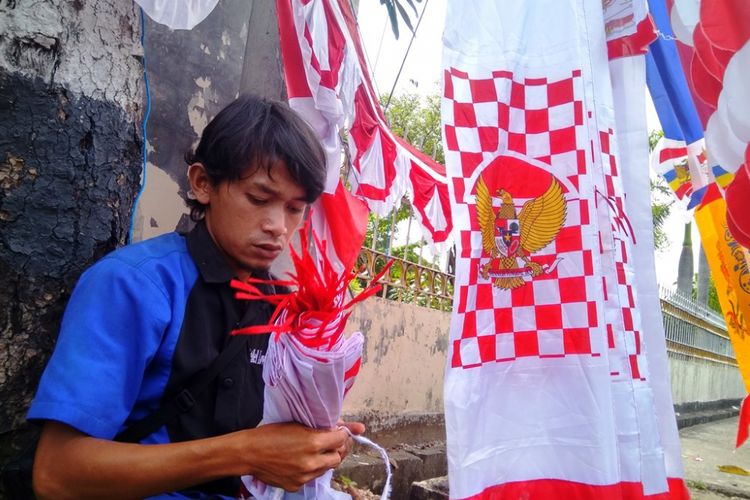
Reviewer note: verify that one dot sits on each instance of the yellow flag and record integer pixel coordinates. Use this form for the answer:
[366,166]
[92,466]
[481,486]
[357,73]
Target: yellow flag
[728,262]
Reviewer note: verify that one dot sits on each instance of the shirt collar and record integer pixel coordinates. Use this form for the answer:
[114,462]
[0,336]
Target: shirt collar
[207,257]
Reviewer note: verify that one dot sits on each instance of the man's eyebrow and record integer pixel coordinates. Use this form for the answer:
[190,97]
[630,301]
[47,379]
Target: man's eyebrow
[262,186]
[267,189]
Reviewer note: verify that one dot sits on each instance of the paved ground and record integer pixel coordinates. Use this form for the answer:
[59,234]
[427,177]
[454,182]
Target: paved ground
[704,448]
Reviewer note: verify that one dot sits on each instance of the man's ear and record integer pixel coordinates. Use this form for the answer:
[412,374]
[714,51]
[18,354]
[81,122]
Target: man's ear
[200,183]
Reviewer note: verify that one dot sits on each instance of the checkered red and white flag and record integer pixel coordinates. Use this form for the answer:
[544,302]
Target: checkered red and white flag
[547,391]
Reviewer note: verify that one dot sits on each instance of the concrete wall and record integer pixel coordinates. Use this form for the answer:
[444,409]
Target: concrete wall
[405,352]
[404,358]
[695,379]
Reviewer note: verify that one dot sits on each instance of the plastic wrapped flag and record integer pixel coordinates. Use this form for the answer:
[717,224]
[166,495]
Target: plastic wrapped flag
[310,365]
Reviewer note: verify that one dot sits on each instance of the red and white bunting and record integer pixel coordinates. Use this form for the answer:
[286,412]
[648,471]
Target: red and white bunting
[329,84]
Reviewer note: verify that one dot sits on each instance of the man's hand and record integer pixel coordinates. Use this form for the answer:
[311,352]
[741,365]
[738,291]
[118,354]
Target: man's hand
[356,429]
[290,455]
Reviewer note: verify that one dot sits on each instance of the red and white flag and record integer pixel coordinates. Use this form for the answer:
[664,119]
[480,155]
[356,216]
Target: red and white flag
[548,389]
[329,84]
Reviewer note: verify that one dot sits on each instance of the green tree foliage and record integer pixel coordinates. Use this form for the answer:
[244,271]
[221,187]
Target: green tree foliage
[661,204]
[395,6]
[417,120]
[712,301]
[661,199]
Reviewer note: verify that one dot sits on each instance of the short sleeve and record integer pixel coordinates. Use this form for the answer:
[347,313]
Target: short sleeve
[112,328]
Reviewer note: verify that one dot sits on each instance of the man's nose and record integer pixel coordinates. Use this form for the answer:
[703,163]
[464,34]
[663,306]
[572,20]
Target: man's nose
[275,223]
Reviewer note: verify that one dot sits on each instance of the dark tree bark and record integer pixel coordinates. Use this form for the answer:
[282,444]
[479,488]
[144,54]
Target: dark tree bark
[70,165]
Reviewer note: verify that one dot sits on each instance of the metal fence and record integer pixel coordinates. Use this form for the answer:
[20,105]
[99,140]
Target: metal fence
[693,330]
[408,281]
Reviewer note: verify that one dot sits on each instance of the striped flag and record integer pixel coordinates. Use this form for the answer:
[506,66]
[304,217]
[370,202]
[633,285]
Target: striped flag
[329,84]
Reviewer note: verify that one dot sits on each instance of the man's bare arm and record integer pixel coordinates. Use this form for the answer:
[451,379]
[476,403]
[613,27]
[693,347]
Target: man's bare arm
[70,464]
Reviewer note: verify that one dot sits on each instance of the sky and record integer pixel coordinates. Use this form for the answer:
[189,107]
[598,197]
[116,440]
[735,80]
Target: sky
[421,75]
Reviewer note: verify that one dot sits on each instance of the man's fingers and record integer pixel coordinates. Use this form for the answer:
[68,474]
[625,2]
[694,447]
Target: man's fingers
[355,428]
[332,440]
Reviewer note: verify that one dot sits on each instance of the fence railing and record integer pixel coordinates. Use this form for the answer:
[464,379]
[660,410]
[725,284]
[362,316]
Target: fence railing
[408,281]
[693,330]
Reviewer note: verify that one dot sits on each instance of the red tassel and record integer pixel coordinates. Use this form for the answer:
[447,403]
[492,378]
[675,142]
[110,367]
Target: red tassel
[318,299]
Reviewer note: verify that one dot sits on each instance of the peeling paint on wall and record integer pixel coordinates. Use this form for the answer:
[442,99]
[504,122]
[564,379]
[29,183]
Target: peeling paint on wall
[162,202]
[404,359]
[193,75]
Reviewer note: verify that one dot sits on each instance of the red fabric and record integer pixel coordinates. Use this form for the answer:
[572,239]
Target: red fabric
[554,489]
[294,71]
[364,131]
[431,164]
[738,206]
[686,54]
[424,189]
[707,87]
[706,54]
[346,216]
[726,23]
[743,429]
[635,44]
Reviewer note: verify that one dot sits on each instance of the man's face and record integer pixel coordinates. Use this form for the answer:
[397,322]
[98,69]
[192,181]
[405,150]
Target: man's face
[251,219]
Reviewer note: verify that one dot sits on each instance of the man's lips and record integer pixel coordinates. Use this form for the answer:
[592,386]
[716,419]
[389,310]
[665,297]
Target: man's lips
[269,250]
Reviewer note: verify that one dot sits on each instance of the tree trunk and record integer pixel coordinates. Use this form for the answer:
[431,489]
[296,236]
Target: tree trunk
[704,278]
[70,165]
[685,268]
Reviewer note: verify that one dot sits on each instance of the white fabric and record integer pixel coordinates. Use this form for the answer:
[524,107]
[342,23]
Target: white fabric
[688,12]
[681,31]
[435,213]
[628,82]
[306,386]
[725,147]
[736,92]
[373,156]
[621,17]
[587,419]
[178,14]
[327,131]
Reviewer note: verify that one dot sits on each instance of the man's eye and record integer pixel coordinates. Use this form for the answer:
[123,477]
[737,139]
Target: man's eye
[295,209]
[256,201]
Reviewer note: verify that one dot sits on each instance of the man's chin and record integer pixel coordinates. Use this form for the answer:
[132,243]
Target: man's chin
[258,267]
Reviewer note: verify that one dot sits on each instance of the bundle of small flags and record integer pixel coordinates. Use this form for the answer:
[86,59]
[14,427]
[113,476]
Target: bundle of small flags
[316,310]
[310,364]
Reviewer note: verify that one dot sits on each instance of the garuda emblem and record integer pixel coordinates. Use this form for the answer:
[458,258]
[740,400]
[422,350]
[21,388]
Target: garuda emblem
[682,172]
[509,237]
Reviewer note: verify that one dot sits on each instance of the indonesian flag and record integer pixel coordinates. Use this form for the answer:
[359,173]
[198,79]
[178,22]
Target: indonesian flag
[329,84]
[548,389]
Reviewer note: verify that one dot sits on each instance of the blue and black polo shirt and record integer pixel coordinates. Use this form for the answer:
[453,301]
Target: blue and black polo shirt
[139,324]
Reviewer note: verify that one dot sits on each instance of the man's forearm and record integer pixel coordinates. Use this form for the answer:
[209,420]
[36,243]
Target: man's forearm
[70,464]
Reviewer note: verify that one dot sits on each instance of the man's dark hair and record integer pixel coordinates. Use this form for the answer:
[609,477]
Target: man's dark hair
[252,133]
